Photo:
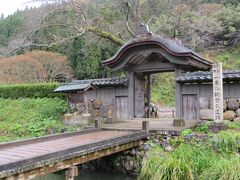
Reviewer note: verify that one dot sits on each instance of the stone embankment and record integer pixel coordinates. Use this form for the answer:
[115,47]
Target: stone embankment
[231,108]
[130,161]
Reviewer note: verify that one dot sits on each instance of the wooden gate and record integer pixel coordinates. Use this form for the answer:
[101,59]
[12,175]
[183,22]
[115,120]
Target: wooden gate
[121,107]
[190,107]
[139,96]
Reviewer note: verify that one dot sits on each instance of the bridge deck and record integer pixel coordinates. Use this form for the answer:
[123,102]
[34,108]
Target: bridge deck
[19,157]
[21,152]
[161,125]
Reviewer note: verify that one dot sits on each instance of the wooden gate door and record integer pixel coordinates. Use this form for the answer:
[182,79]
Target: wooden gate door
[121,107]
[190,107]
[139,96]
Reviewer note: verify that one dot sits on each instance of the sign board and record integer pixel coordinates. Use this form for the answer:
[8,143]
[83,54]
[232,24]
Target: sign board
[217,92]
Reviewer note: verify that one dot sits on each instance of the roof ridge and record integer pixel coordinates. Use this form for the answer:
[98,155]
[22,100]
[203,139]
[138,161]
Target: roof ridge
[207,76]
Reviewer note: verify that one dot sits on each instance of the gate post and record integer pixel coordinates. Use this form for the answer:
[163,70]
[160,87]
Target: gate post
[145,126]
[217,92]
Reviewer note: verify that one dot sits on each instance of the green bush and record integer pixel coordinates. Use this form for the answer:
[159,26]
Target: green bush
[24,118]
[42,90]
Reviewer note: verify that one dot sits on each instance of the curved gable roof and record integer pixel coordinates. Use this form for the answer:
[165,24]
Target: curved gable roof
[152,42]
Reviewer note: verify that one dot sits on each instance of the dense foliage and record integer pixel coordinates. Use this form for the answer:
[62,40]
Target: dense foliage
[86,58]
[42,90]
[230,58]
[162,89]
[88,32]
[9,27]
[24,118]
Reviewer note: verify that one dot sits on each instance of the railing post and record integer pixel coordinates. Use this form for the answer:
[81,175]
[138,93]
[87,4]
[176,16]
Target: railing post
[145,126]
[71,173]
[97,124]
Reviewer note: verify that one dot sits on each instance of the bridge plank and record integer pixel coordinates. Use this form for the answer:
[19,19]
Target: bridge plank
[36,149]
[51,155]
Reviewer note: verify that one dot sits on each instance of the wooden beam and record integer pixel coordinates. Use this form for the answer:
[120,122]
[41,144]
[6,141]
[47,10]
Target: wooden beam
[154,67]
[68,103]
[145,126]
[71,173]
[148,94]
[178,94]
[98,124]
[51,168]
[131,94]
[85,101]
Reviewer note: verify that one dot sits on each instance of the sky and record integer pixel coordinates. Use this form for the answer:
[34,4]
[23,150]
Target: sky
[8,7]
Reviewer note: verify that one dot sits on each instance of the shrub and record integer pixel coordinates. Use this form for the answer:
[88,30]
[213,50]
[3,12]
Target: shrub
[42,90]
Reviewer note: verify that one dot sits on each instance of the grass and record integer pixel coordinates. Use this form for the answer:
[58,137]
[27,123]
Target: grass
[25,118]
[215,158]
[185,163]
[233,125]
[225,141]
[223,169]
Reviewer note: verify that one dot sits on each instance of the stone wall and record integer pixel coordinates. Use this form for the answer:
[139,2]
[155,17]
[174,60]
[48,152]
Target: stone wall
[130,161]
[231,108]
[101,110]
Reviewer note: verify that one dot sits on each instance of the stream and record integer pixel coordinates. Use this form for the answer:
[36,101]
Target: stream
[90,175]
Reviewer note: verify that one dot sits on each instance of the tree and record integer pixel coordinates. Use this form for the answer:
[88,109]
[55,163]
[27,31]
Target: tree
[36,66]
[58,22]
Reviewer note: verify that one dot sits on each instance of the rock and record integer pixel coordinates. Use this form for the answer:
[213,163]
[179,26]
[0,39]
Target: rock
[110,111]
[81,107]
[168,148]
[189,136]
[103,111]
[238,112]
[217,127]
[110,118]
[72,119]
[206,114]
[224,104]
[141,153]
[203,103]
[129,165]
[90,106]
[156,141]
[233,104]
[97,103]
[237,119]
[145,147]
[229,115]
[132,152]
[164,144]
[178,122]
[95,112]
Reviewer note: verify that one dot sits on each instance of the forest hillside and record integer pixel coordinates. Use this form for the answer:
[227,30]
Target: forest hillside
[87,32]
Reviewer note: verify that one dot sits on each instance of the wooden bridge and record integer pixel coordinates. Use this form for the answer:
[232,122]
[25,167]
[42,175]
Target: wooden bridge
[31,158]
